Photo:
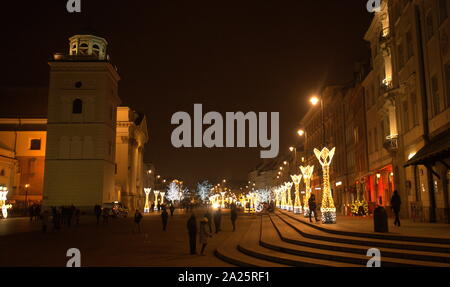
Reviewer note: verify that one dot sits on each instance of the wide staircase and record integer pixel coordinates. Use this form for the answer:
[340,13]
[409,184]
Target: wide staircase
[284,239]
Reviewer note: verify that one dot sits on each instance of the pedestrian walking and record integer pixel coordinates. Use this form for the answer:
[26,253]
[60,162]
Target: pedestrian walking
[218,220]
[44,218]
[172,209]
[204,234]
[138,219]
[152,208]
[31,212]
[192,231]
[395,205]
[98,212]
[209,216]
[312,207]
[233,216]
[164,218]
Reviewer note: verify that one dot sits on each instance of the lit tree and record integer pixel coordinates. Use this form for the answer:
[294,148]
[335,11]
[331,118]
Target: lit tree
[173,192]
[204,189]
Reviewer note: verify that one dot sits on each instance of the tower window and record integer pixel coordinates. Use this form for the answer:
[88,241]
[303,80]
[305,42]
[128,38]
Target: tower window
[35,144]
[77,106]
[78,84]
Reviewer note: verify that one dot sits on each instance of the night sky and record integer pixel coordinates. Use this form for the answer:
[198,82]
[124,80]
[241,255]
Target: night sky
[262,56]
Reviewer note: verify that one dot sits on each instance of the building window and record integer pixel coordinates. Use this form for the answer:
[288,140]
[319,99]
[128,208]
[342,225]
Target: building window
[435,96]
[401,57]
[35,144]
[443,11]
[415,109]
[430,25]
[2,172]
[409,45]
[77,106]
[447,81]
[405,116]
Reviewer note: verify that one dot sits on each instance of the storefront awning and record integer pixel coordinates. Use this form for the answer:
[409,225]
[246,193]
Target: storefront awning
[437,149]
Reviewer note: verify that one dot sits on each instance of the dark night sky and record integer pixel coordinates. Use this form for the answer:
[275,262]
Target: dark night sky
[229,55]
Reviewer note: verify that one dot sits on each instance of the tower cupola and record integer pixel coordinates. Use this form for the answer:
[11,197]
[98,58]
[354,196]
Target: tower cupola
[89,46]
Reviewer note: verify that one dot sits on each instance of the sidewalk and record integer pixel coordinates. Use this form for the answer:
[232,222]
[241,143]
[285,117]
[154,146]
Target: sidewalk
[408,227]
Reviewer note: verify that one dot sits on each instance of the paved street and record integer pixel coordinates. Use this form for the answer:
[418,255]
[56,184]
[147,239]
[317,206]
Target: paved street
[112,244]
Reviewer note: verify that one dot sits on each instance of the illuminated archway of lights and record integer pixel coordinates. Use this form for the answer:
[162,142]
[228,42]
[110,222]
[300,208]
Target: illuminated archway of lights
[307,172]
[296,179]
[325,156]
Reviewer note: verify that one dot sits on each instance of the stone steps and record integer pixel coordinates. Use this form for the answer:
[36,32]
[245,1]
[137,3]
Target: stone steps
[291,241]
[314,231]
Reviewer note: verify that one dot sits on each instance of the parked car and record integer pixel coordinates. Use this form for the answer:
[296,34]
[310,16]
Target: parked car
[116,209]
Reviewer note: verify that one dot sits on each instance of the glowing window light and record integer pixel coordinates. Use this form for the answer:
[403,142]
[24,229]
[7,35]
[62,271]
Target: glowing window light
[339,183]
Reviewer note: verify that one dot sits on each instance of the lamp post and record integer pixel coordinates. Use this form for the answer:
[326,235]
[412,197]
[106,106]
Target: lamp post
[327,208]
[26,194]
[307,172]
[314,101]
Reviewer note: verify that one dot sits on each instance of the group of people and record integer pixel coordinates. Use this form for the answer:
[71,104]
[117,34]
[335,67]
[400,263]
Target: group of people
[206,230]
[395,206]
[61,216]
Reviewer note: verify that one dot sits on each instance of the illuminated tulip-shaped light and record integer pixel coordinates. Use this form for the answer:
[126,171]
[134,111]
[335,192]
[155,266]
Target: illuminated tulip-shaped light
[3,205]
[156,192]
[283,196]
[146,206]
[289,206]
[296,179]
[327,207]
[307,172]
[277,197]
[162,193]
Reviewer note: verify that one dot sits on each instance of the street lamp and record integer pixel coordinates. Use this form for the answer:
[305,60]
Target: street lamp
[26,194]
[314,100]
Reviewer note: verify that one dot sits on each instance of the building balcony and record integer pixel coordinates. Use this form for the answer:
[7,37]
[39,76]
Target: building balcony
[391,143]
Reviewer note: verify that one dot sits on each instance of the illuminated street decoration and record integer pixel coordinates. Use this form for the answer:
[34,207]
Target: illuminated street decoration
[283,197]
[146,207]
[277,197]
[296,179]
[156,192]
[289,206]
[327,208]
[3,205]
[307,172]
[222,193]
[162,197]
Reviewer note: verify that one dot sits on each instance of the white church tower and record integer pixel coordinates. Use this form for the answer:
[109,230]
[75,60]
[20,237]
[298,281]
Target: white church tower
[81,131]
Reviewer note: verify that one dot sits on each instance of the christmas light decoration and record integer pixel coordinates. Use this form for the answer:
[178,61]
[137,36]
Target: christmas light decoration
[3,205]
[296,179]
[162,193]
[283,197]
[146,206]
[203,189]
[289,206]
[327,208]
[307,172]
[156,192]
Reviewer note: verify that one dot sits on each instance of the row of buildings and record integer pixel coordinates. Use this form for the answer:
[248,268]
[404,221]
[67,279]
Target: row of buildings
[391,125]
[88,150]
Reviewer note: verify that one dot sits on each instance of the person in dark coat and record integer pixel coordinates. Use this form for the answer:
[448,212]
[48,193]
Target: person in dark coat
[204,234]
[218,219]
[312,207]
[192,230]
[395,205]
[233,216]
[138,219]
[208,215]
[98,212]
[164,217]
[172,209]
